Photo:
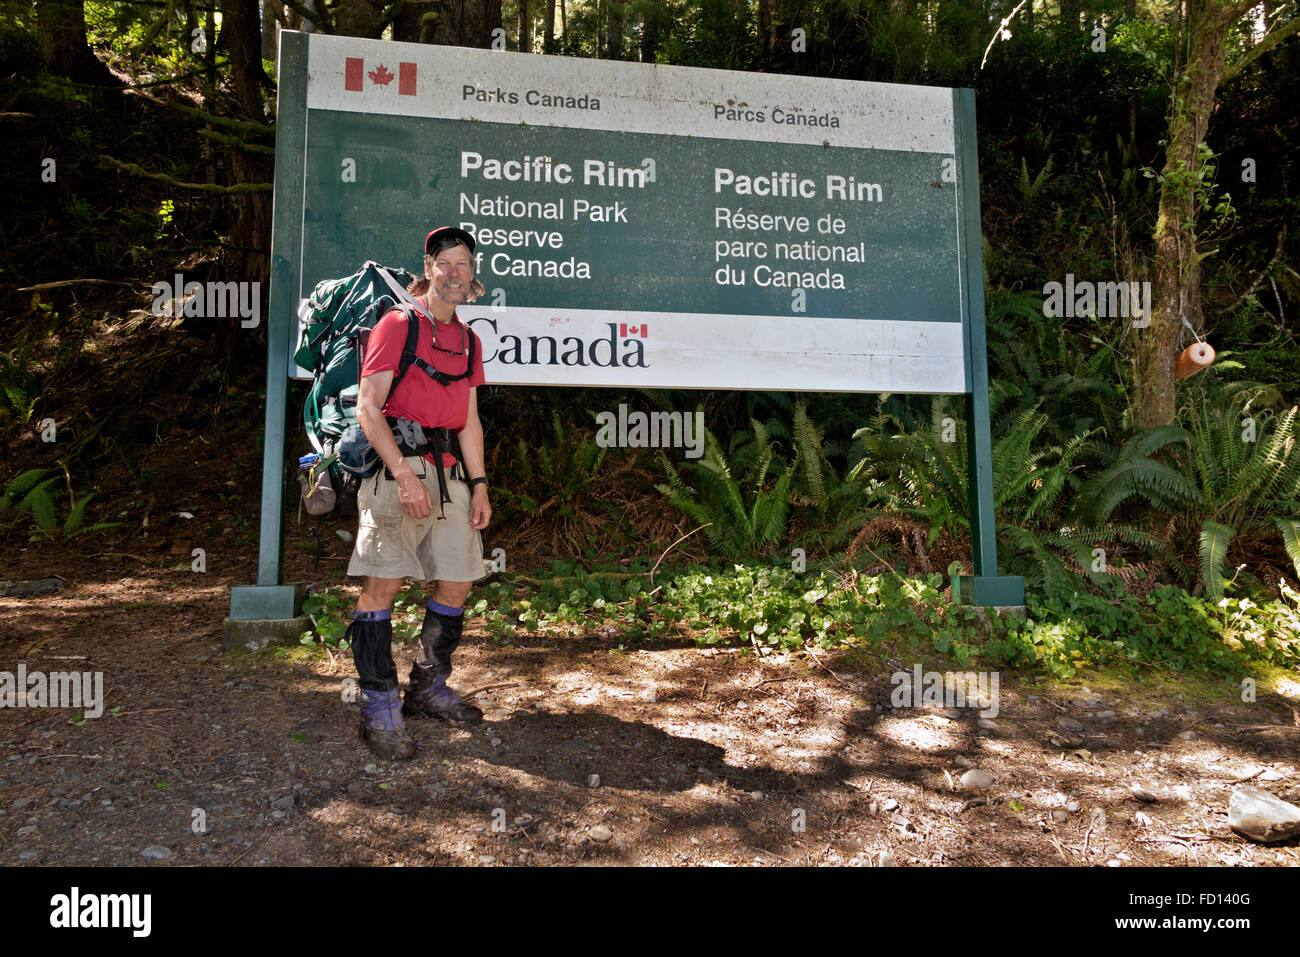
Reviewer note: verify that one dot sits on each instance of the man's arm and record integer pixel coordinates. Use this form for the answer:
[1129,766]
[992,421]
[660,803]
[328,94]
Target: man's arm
[471,450]
[371,397]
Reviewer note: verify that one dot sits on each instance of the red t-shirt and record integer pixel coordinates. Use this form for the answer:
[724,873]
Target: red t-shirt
[417,397]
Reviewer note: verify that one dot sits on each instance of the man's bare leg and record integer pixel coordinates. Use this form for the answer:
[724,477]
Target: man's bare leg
[378,593]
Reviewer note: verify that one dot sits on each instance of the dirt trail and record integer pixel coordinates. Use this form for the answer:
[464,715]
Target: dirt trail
[703,756]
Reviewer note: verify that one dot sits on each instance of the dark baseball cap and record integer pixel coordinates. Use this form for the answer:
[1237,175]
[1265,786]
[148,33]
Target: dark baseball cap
[448,232]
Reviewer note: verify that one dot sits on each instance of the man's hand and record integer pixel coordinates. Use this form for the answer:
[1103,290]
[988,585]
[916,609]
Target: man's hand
[480,512]
[411,493]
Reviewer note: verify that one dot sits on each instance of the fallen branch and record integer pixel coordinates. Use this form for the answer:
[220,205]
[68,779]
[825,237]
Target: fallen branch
[1126,658]
[1260,276]
[1087,837]
[814,657]
[1258,771]
[672,546]
[74,282]
[499,684]
[767,681]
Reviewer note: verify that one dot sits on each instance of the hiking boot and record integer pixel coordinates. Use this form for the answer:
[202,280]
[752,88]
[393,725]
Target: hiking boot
[427,696]
[382,727]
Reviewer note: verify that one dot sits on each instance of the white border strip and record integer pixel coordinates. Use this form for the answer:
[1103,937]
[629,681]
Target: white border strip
[697,351]
[634,97]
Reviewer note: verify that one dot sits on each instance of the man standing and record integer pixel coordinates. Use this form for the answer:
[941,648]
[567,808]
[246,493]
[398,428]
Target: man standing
[403,533]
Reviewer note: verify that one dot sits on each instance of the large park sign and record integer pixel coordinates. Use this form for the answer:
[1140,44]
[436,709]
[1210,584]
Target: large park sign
[643,225]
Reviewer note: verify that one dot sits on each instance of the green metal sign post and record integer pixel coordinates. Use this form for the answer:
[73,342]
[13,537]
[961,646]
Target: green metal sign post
[985,587]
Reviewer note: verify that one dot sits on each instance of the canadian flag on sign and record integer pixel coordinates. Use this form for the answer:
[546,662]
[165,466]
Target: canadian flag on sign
[625,330]
[354,76]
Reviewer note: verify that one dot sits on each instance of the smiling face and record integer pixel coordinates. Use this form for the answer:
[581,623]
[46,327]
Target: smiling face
[450,273]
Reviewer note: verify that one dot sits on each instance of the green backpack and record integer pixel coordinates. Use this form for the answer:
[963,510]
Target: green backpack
[330,324]
[332,327]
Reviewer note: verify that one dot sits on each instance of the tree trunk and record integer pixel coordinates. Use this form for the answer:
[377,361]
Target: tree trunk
[614,29]
[525,34]
[1177,284]
[548,27]
[357,18]
[465,23]
[247,257]
[272,11]
[651,35]
[763,28]
[61,27]
[406,25]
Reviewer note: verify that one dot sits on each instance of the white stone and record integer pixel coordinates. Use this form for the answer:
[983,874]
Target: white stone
[1258,815]
[976,778]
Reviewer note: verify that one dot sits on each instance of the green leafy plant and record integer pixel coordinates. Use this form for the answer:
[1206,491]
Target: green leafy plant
[332,610]
[1230,473]
[559,478]
[1073,375]
[18,389]
[29,493]
[838,507]
[922,476]
[743,519]
[765,605]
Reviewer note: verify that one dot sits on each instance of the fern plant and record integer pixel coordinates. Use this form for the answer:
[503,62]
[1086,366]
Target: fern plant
[1031,189]
[1072,374]
[1032,482]
[1232,472]
[839,506]
[745,518]
[18,389]
[557,478]
[29,492]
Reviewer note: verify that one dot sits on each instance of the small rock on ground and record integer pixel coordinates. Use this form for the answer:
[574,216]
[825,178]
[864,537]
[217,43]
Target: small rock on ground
[1147,793]
[977,778]
[1258,815]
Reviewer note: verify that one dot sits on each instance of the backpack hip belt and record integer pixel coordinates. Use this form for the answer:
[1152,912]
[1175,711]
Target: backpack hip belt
[437,441]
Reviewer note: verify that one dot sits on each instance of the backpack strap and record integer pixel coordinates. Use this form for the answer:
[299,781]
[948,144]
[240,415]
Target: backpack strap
[409,357]
[442,378]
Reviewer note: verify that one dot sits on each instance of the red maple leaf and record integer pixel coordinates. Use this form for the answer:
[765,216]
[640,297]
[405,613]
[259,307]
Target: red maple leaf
[381,75]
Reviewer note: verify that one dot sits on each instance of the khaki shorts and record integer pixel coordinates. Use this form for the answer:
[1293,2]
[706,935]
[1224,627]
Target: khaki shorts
[391,544]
